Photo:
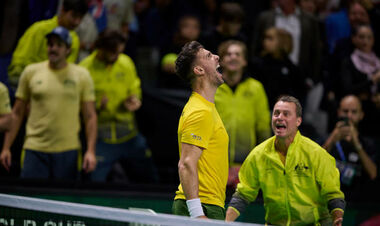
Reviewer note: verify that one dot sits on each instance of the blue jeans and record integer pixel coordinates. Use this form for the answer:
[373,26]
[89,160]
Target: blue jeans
[135,152]
[43,165]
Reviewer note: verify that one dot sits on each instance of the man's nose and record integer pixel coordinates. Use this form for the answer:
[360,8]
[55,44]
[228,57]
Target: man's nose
[216,57]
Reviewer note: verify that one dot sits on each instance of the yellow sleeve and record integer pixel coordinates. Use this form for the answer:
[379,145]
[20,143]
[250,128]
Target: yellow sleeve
[88,90]
[23,90]
[5,107]
[328,176]
[262,110]
[135,86]
[197,128]
[249,185]
[26,51]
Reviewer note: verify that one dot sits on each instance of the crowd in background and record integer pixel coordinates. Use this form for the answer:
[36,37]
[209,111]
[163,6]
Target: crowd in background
[319,51]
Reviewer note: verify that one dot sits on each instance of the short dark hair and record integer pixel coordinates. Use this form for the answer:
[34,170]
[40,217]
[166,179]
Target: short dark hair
[291,99]
[78,6]
[110,39]
[185,61]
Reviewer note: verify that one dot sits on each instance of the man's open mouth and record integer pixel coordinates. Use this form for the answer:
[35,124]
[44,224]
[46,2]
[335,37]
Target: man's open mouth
[280,126]
[219,69]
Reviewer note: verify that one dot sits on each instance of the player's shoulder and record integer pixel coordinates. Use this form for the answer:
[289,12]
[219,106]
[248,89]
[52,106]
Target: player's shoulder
[79,71]
[42,27]
[312,148]
[264,146]
[3,88]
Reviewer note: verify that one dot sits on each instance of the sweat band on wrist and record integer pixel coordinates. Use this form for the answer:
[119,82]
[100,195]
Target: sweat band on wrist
[195,208]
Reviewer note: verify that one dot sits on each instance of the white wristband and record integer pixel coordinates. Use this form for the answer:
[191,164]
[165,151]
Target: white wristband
[195,208]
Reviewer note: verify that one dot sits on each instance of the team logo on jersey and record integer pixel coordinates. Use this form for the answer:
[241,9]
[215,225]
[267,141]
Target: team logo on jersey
[69,83]
[196,137]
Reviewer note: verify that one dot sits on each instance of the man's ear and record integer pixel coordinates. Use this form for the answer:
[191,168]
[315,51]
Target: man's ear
[299,121]
[198,70]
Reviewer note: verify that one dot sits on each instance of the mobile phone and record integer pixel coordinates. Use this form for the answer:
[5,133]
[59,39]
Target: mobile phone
[345,121]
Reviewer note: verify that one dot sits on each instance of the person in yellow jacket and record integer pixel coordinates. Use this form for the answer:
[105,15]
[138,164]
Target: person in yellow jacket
[32,46]
[5,109]
[243,106]
[298,178]
[118,96]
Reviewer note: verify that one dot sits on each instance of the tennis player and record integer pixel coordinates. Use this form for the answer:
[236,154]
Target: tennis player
[202,138]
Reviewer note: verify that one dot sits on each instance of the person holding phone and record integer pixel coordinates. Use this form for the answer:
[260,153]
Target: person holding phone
[355,154]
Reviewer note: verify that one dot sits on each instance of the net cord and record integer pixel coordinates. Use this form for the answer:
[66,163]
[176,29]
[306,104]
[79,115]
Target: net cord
[106,213]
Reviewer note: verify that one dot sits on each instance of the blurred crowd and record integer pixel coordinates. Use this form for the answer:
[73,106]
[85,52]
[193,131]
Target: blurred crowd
[324,52]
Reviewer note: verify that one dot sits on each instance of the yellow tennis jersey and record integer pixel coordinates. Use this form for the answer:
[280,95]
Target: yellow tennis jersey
[201,125]
[5,107]
[55,98]
[32,47]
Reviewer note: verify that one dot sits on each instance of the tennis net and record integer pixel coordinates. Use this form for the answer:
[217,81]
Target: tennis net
[26,211]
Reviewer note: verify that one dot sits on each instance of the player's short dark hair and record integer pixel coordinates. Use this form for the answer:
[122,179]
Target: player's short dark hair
[291,99]
[78,6]
[185,61]
[110,40]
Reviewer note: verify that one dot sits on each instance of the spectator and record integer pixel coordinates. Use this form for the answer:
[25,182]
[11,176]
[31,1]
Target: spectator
[275,70]
[305,190]
[93,22]
[355,153]
[357,15]
[32,47]
[339,24]
[188,30]
[118,96]
[242,105]
[229,27]
[56,92]
[360,75]
[305,35]
[202,138]
[5,109]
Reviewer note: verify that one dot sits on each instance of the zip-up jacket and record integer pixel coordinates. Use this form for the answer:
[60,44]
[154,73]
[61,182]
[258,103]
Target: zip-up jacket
[296,193]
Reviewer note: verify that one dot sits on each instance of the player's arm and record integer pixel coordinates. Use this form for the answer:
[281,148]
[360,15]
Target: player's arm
[236,206]
[17,115]
[90,120]
[188,175]
[5,122]
[336,208]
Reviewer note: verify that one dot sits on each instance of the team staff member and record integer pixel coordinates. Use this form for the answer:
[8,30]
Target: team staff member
[242,104]
[118,96]
[32,48]
[202,138]
[298,178]
[5,109]
[56,92]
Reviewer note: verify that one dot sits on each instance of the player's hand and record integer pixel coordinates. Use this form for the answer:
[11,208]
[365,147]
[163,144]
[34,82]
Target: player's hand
[338,221]
[5,158]
[337,216]
[132,103]
[89,161]
[341,131]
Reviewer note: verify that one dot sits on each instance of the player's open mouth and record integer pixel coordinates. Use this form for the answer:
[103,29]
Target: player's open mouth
[219,69]
[280,126]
